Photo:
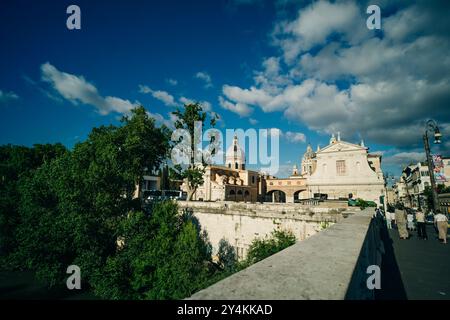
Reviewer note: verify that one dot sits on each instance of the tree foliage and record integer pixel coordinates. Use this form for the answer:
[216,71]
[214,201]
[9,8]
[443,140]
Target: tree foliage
[60,207]
[164,256]
[186,119]
[262,248]
[18,162]
[71,207]
[227,255]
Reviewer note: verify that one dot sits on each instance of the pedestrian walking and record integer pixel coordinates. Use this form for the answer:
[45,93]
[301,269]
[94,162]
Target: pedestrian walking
[389,219]
[400,219]
[378,213]
[393,222]
[421,226]
[410,219]
[441,223]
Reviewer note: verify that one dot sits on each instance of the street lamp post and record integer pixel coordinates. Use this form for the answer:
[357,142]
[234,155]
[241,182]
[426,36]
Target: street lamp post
[432,127]
[392,187]
[407,191]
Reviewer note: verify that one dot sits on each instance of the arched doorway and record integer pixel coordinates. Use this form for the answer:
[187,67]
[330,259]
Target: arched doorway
[276,196]
[247,196]
[300,195]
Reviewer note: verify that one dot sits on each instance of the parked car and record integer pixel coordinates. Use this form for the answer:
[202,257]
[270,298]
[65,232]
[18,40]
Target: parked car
[161,195]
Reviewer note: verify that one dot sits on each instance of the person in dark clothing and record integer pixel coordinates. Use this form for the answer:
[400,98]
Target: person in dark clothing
[421,227]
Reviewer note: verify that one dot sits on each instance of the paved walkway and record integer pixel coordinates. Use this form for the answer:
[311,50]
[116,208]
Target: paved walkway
[414,268]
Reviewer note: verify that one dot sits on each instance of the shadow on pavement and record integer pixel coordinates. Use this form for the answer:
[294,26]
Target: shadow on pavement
[392,287]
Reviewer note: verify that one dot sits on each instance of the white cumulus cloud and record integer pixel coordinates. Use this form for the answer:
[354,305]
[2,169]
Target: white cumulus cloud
[160,95]
[205,77]
[77,89]
[295,137]
[239,108]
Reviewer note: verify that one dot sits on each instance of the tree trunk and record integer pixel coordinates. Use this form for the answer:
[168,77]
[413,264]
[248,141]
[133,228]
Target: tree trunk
[190,193]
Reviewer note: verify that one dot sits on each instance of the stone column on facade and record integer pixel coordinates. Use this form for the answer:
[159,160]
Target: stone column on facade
[289,198]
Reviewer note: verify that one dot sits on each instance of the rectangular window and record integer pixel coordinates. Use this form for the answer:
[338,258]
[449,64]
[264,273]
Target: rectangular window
[340,167]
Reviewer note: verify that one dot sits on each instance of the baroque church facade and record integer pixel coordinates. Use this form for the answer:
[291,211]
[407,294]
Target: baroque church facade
[343,170]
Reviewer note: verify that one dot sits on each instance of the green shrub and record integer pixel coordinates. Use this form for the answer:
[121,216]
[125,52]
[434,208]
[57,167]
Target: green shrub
[262,248]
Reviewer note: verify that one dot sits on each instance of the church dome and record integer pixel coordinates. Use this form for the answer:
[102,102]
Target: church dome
[235,156]
[309,152]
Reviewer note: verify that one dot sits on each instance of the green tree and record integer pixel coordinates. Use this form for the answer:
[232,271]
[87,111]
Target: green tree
[227,255]
[78,207]
[194,178]
[164,256]
[186,119]
[18,162]
[142,146]
[71,207]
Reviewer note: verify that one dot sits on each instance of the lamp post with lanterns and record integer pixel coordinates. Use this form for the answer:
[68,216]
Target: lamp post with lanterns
[432,127]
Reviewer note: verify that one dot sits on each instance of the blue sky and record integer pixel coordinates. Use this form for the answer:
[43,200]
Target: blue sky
[307,68]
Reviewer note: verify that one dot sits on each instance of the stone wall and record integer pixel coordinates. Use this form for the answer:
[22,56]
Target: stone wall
[329,265]
[241,223]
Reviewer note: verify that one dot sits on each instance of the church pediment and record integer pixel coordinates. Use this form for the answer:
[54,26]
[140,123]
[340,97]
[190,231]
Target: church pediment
[341,146]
